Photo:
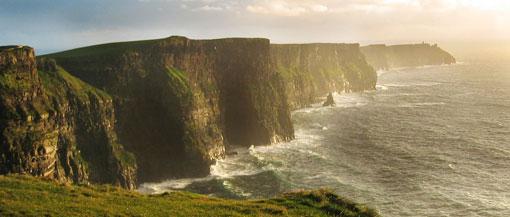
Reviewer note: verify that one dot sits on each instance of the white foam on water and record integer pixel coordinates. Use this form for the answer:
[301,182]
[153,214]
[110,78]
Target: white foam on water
[381,87]
[169,185]
[237,165]
[428,84]
[313,153]
[420,104]
[236,190]
[380,72]
[350,100]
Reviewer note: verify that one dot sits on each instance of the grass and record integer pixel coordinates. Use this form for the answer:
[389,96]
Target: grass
[56,82]
[120,47]
[29,196]
[178,76]
[9,82]
[126,158]
[104,49]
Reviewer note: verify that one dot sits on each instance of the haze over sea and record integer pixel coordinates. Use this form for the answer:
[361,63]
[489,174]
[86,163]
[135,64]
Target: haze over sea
[430,141]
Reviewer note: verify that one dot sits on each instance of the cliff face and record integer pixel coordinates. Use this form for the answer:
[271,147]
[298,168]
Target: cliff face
[180,102]
[310,71]
[55,126]
[407,55]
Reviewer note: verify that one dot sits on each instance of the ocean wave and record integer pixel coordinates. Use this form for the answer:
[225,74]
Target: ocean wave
[381,87]
[313,153]
[401,94]
[170,185]
[421,104]
[381,72]
[411,84]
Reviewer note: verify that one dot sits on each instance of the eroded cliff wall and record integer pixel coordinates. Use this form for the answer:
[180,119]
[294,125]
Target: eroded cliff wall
[180,102]
[406,55]
[310,71]
[53,125]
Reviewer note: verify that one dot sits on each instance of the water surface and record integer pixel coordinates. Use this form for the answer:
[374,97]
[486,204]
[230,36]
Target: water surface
[432,141]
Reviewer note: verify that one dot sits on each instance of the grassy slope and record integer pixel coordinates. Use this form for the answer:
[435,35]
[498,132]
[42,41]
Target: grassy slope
[28,196]
[56,82]
[110,48]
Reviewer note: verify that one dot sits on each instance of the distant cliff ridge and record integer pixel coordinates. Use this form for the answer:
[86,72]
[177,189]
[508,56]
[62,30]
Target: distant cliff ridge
[310,71]
[174,104]
[407,55]
[53,125]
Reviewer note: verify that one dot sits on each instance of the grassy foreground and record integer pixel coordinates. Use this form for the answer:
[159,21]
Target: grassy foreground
[28,196]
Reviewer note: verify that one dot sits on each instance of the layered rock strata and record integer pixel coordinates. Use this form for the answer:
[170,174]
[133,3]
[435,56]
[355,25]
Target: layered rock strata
[54,125]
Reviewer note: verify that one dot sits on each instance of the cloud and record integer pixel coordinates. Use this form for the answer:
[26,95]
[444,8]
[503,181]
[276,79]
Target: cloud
[59,24]
[310,7]
[285,7]
[305,7]
[277,7]
[208,8]
[319,8]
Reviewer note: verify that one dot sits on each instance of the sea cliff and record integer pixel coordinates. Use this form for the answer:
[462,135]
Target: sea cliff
[145,111]
[53,125]
[383,57]
[310,71]
[180,103]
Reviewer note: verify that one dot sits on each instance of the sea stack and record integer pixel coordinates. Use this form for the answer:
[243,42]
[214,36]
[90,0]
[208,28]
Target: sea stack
[329,100]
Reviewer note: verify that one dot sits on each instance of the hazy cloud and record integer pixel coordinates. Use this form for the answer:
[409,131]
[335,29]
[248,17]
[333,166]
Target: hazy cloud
[208,8]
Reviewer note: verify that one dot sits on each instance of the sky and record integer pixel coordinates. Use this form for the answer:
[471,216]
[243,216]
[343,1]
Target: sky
[52,25]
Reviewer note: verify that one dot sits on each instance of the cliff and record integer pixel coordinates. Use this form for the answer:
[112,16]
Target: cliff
[176,104]
[310,71]
[53,125]
[406,55]
[180,102]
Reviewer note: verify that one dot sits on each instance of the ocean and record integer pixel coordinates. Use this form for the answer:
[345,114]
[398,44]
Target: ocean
[430,141]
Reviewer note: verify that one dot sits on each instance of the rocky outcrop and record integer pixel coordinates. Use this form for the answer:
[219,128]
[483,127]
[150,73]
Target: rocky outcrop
[329,100]
[181,102]
[55,126]
[383,57]
[310,71]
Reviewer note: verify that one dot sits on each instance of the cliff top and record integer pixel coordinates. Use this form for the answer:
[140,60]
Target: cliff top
[13,47]
[29,196]
[401,45]
[8,47]
[318,44]
[122,46]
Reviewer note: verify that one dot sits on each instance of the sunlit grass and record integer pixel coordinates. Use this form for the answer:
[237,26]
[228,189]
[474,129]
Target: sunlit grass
[28,196]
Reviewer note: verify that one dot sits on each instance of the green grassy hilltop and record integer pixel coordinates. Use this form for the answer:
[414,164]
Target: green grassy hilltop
[28,196]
